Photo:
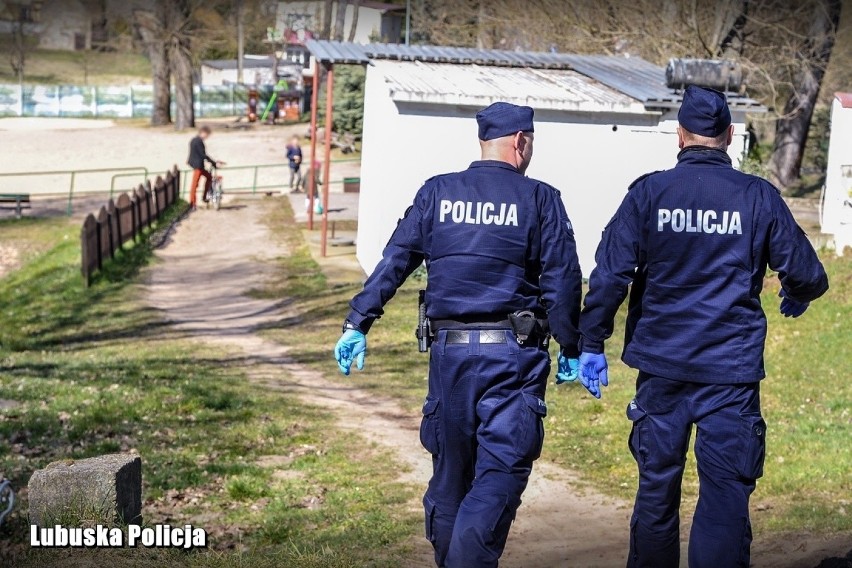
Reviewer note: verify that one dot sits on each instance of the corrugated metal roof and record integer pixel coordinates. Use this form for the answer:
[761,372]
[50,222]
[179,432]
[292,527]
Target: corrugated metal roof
[845,99]
[248,63]
[632,76]
[337,52]
[343,52]
[480,85]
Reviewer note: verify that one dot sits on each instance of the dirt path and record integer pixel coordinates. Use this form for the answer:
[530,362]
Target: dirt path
[198,285]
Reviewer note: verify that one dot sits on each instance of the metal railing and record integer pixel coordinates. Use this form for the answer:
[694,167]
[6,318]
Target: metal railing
[256,185]
[258,181]
[143,173]
[72,180]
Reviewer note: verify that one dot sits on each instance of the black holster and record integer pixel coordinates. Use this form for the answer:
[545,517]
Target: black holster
[424,327]
[526,326]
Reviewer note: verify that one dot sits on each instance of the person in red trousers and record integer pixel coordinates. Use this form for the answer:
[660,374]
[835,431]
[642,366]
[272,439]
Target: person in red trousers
[197,158]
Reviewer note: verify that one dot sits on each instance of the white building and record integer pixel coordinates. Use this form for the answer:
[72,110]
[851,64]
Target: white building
[837,202]
[257,70]
[377,21]
[600,123]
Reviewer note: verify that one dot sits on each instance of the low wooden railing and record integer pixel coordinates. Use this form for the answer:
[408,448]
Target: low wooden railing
[124,219]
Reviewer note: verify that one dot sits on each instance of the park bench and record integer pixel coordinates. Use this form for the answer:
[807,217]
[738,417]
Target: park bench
[16,201]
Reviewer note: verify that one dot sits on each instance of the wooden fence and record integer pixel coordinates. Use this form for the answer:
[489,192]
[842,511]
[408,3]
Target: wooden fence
[124,219]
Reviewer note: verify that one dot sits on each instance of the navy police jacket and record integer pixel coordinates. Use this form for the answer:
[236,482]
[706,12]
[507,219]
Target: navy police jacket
[494,242]
[696,241]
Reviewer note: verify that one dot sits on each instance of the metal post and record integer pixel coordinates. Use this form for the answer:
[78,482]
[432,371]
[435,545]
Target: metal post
[329,118]
[71,193]
[312,181]
[407,21]
[238,5]
[254,182]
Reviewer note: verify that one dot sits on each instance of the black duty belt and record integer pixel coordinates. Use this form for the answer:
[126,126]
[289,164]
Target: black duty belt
[491,337]
[470,323]
[485,335]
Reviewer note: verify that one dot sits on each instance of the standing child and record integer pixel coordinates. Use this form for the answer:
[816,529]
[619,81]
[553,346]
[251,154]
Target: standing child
[294,156]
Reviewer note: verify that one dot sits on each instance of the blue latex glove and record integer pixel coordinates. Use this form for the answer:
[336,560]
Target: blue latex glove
[568,371]
[352,346]
[791,308]
[593,372]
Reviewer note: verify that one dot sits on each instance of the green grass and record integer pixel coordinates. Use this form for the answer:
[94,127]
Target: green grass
[59,67]
[299,276]
[806,398]
[93,371]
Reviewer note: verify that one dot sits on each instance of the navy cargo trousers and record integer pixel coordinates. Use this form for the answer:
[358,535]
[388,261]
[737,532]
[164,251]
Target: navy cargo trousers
[482,423]
[729,450]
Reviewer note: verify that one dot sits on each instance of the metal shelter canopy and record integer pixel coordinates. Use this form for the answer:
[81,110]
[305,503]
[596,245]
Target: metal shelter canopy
[632,76]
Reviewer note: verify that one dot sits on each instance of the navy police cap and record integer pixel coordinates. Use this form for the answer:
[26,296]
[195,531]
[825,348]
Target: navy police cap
[504,119]
[704,112]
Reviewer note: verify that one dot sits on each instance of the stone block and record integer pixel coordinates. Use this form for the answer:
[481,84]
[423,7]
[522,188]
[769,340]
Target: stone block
[104,488]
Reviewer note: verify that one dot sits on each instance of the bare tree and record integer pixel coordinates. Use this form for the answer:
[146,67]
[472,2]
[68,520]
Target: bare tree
[356,9]
[784,45]
[340,20]
[732,43]
[791,130]
[151,26]
[179,26]
[328,8]
[18,55]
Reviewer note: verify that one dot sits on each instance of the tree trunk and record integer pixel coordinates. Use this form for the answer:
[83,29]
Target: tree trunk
[150,27]
[328,7]
[482,28]
[340,20]
[791,130]
[181,67]
[18,57]
[356,7]
[732,44]
[180,62]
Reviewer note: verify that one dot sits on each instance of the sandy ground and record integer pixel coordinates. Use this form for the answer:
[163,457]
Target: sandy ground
[198,285]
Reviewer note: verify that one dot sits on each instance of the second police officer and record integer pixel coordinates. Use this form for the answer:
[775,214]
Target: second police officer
[695,242]
[498,246]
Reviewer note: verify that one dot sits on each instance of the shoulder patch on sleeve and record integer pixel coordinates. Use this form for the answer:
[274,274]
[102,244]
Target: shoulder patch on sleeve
[641,179]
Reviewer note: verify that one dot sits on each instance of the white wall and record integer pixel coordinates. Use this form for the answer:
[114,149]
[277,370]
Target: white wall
[578,153]
[837,215]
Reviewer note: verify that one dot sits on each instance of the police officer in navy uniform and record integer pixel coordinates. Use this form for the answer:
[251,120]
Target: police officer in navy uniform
[497,246]
[695,242]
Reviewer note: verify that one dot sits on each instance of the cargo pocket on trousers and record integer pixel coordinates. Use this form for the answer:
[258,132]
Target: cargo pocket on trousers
[430,426]
[534,438]
[502,525]
[754,453]
[637,415]
[429,508]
